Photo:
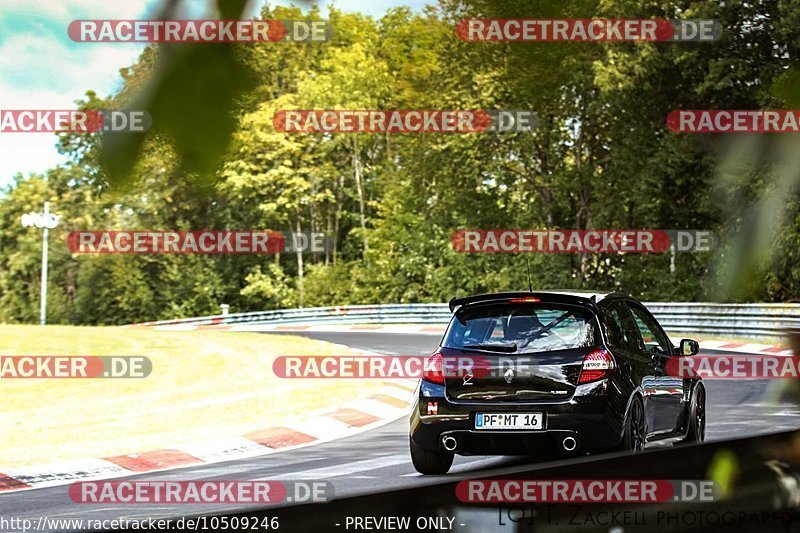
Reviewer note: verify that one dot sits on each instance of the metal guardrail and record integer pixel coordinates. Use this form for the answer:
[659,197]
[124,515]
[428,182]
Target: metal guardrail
[760,321]
[346,314]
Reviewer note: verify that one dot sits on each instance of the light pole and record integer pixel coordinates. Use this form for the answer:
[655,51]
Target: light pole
[45,221]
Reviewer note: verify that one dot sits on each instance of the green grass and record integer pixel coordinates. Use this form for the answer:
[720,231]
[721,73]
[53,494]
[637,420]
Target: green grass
[204,384]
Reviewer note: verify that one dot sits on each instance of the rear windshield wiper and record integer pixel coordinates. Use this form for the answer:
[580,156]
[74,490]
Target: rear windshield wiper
[505,348]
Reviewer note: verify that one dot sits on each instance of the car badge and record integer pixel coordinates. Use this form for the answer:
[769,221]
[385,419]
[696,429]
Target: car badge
[509,376]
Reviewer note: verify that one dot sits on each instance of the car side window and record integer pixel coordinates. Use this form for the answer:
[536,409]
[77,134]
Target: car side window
[655,341]
[618,327]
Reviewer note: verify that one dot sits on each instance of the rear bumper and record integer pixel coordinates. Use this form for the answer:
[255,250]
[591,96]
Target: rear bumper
[593,417]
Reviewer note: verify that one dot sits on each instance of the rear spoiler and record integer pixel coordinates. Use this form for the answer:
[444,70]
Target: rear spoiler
[500,296]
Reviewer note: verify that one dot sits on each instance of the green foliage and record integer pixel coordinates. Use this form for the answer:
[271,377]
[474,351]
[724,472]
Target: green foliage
[271,288]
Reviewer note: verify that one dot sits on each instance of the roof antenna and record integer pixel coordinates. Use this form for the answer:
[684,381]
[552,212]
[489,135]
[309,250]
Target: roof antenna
[528,264]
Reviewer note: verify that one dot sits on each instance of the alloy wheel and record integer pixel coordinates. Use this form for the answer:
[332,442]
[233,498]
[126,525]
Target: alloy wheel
[637,427]
[700,415]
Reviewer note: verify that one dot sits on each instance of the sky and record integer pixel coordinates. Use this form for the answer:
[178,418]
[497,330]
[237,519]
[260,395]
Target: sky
[41,68]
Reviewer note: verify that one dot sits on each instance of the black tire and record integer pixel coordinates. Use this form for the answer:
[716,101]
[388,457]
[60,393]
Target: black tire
[696,432]
[430,462]
[635,434]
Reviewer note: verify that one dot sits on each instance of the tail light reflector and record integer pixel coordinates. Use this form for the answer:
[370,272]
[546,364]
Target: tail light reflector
[433,370]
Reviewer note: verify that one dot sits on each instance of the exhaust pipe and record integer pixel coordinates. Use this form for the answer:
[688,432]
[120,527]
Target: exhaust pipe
[449,443]
[569,444]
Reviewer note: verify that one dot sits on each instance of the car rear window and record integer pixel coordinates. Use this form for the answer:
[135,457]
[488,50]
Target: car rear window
[527,327]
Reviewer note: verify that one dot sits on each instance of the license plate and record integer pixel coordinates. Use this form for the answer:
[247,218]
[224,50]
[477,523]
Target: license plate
[509,421]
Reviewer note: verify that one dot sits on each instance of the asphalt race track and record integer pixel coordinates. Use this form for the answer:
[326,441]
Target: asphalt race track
[378,460]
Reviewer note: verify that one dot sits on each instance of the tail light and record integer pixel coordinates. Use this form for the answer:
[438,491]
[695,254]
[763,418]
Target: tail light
[596,365]
[433,370]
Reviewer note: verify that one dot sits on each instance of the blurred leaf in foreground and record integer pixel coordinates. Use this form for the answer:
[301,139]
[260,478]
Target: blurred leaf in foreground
[723,471]
[774,160]
[190,97]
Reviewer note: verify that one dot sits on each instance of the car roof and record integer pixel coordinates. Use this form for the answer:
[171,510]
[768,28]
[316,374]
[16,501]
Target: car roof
[584,297]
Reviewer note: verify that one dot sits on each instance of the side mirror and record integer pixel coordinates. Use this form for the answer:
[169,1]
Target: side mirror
[689,347]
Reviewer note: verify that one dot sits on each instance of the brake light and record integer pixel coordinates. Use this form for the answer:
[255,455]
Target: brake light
[523,300]
[433,370]
[596,365]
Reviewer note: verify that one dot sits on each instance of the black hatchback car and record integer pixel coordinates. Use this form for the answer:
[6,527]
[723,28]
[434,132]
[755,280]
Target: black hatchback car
[548,374]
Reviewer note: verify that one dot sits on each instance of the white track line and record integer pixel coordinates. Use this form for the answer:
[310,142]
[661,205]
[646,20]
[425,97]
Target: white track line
[345,469]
